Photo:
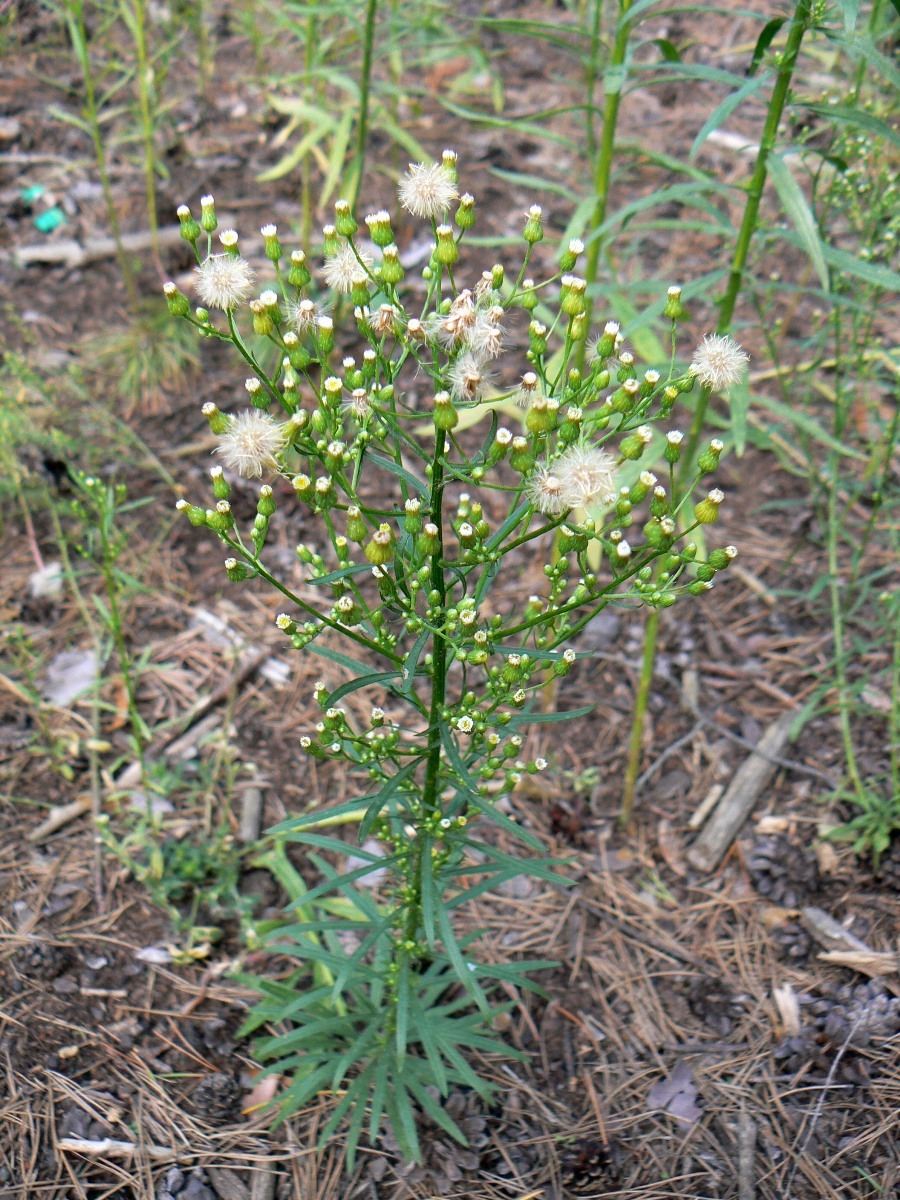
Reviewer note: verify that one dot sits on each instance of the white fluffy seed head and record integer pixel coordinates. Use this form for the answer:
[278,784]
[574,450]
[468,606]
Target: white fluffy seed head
[224,281]
[427,190]
[587,477]
[343,269]
[545,491]
[252,443]
[718,362]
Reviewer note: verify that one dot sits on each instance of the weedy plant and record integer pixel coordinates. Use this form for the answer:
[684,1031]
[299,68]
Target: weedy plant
[421,513]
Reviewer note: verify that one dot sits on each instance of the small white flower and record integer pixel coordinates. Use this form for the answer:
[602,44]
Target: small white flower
[569,656]
[251,444]
[465,725]
[587,477]
[540,764]
[358,405]
[224,281]
[342,270]
[675,437]
[718,362]
[427,190]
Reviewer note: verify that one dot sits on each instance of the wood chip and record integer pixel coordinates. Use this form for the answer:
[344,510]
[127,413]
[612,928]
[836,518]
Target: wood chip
[228,1184]
[59,816]
[744,790]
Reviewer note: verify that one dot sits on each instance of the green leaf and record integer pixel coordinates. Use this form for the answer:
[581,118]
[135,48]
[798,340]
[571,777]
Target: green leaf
[850,9]
[354,685]
[463,971]
[739,404]
[857,117]
[764,41]
[807,425]
[338,155]
[296,156]
[380,802]
[667,50]
[847,264]
[799,214]
[400,1111]
[725,108]
[388,464]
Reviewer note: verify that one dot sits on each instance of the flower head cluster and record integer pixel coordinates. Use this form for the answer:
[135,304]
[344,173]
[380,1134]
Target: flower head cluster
[251,443]
[718,362]
[224,281]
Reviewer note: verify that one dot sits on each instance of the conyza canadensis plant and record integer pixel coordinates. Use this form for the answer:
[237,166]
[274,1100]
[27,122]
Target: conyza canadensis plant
[376,405]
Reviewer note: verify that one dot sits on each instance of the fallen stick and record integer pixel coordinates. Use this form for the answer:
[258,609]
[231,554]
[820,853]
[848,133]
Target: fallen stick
[71,253]
[735,806]
[60,816]
[108,1148]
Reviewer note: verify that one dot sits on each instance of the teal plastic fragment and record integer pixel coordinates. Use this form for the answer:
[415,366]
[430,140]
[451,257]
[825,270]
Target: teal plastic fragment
[49,220]
[30,194]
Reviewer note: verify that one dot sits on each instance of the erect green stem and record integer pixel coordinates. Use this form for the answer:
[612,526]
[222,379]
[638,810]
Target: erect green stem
[145,83]
[751,208]
[365,84]
[837,628]
[603,164]
[726,313]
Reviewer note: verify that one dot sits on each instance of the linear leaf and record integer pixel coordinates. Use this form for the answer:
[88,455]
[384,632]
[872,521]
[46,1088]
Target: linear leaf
[764,41]
[857,117]
[725,108]
[799,214]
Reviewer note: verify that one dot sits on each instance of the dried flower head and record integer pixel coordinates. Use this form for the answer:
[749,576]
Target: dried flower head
[455,326]
[545,491]
[468,377]
[427,190]
[343,269]
[224,281]
[251,443]
[718,362]
[485,336]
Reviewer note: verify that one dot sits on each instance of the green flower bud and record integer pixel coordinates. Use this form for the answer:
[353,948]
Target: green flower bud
[709,459]
[659,503]
[263,325]
[673,309]
[218,422]
[391,271]
[699,586]
[640,489]
[625,397]
[672,452]
[689,552]
[344,221]
[529,297]
[196,516]
[229,241]
[445,415]
[534,229]
[236,570]
[272,245]
[179,305]
[572,295]
[380,549]
[221,519]
[465,214]
[379,225]
[521,459]
[412,521]
[305,489]
[299,274]
[208,214]
[606,344]
[324,336]
[537,335]
[266,504]
[541,415]
[429,542]
[569,256]
[626,366]
[707,511]
[357,530]
[190,230]
[359,292]
[221,490]
[331,242]
[497,275]
[720,559]
[446,250]
[634,446]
